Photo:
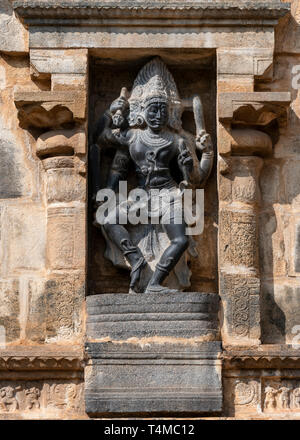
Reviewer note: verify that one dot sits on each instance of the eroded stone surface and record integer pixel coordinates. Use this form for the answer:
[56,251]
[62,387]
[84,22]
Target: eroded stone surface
[14,37]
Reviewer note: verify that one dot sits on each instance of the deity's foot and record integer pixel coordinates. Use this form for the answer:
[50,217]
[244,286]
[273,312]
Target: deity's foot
[157,288]
[136,273]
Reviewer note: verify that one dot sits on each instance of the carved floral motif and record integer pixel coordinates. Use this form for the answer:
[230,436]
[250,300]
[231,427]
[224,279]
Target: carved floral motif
[243,292]
[246,393]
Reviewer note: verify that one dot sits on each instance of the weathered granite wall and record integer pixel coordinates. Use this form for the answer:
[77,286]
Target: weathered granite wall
[280,198]
[43,243]
[253,387]
[42,268]
[34,307]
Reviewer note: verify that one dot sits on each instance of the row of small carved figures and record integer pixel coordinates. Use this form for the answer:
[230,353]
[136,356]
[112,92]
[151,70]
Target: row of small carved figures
[31,398]
[282,398]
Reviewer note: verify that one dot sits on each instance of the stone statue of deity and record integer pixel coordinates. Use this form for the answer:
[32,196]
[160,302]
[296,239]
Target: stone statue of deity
[144,127]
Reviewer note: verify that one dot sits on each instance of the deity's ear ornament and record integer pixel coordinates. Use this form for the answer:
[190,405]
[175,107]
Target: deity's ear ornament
[155,82]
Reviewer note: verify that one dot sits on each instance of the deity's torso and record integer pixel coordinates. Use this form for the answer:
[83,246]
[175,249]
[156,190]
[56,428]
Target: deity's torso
[152,154]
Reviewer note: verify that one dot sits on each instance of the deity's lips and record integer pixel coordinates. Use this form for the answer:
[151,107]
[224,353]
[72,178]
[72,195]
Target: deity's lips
[157,122]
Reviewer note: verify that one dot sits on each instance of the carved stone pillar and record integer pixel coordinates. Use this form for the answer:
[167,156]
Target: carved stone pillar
[251,122]
[66,193]
[238,247]
[57,119]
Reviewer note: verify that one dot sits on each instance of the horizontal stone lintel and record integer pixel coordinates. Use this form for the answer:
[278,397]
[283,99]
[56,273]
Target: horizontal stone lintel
[125,37]
[161,23]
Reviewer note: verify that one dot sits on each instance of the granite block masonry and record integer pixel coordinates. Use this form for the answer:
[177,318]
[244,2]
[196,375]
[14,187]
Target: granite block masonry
[187,95]
[153,354]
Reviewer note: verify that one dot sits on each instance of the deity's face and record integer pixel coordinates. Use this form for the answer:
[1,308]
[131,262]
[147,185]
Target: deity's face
[156,115]
[118,119]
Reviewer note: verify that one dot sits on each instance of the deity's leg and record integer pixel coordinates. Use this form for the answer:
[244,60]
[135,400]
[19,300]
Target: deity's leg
[119,235]
[169,259]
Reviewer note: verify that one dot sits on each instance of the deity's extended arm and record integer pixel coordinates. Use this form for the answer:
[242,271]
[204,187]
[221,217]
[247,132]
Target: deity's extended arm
[113,126]
[203,141]
[107,136]
[104,132]
[185,162]
[206,164]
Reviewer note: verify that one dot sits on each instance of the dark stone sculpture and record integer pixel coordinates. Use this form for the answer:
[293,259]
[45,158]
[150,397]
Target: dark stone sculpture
[146,129]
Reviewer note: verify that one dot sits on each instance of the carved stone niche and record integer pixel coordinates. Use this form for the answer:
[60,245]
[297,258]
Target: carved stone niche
[250,125]
[194,72]
[157,352]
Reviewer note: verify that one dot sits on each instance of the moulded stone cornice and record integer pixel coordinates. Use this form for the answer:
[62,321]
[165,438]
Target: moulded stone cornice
[48,12]
[266,356]
[41,359]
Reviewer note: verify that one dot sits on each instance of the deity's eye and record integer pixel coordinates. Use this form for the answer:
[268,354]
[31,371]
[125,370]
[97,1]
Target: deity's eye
[153,108]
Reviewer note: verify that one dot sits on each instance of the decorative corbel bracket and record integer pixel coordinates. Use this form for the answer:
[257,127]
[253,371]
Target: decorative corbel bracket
[50,110]
[252,121]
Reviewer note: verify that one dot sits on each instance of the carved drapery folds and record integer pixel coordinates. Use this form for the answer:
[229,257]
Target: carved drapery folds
[252,122]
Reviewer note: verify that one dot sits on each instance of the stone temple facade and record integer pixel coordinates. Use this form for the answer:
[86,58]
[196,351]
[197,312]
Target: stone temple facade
[73,345]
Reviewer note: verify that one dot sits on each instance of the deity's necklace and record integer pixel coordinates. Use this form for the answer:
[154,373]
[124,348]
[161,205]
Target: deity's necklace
[161,139]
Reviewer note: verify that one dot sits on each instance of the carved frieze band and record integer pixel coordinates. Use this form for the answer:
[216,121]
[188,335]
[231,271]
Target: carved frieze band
[269,396]
[34,396]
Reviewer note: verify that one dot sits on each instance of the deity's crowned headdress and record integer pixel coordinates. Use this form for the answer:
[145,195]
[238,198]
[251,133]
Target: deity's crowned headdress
[154,82]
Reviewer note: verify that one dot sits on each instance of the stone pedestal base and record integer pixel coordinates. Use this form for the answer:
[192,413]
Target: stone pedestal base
[153,355]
